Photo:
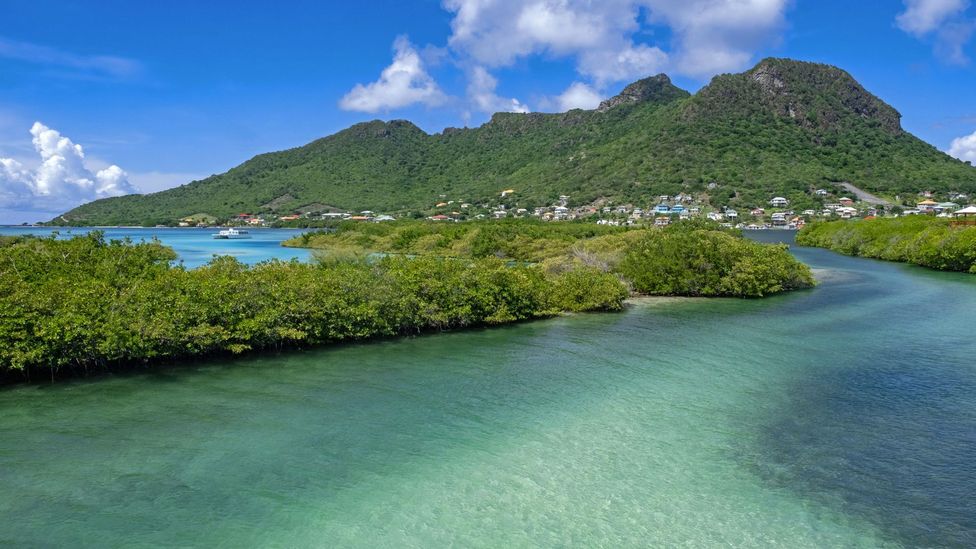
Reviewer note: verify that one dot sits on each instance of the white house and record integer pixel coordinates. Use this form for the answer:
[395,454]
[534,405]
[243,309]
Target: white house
[779,202]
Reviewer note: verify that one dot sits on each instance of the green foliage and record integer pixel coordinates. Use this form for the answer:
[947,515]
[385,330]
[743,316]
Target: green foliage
[689,258]
[782,128]
[695,262]
[922,240]
[86,303]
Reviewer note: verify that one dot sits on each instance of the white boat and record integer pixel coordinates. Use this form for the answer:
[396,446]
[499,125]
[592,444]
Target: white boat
[232,233]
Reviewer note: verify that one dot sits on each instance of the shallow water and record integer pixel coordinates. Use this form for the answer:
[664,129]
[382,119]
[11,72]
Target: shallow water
[193,246]
[843,416]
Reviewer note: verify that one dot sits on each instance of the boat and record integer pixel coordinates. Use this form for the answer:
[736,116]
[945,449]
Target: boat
[232,234]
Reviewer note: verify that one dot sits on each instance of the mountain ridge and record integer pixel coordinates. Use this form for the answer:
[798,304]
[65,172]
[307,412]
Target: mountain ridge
[780,127]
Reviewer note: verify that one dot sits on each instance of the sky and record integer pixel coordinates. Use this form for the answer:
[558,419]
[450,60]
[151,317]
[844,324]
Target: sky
[112,97]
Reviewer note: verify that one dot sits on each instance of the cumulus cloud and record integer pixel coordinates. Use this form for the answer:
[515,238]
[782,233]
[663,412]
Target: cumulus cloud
[710,36]
[405,82]
[714,36]
[578,96]
[946,20]
[964,148]
[62,180]
[924,16]
[481,92]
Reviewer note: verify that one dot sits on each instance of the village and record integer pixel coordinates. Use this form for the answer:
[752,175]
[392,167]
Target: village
[777,212]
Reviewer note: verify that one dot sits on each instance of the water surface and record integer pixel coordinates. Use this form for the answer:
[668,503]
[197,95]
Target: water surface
[844,416]
[194,246]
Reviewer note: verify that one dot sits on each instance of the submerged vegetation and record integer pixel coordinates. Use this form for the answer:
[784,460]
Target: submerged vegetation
[86,303]
[921,240]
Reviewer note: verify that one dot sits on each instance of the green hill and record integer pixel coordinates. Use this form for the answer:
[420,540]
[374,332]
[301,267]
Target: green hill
[783,127]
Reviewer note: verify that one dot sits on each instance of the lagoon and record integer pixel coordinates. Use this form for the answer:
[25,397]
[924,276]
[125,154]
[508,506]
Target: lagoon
[193,246]
[839,416]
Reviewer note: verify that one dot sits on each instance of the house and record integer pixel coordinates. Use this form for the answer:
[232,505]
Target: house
[384,218]
[678,209]
[439,217]
[809,213]
[757,212]
[714,216]
[507,192]
[821,192]
[662,221]
[662,209]
[293,217]
[440,204]
[731,214]
[778,219]
[779,202]
[335,215]
[663,198]
[360,218]
[846,213]
[561,212]
[927,206]
[965,217]
[845,201]
[499,214]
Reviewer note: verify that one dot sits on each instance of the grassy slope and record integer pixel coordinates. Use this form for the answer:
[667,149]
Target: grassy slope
[777,129]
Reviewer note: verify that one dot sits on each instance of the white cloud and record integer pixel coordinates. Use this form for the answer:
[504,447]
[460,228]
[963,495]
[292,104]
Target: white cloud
[964,148]
[714,36]
[946,20]
[481,92]
[97,65]
[578,96]
[924,16]
[62,180]
[710,36]
[405,82]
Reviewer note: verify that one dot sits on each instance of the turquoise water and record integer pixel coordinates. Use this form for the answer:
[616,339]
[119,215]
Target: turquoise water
[844,416]
[193,246]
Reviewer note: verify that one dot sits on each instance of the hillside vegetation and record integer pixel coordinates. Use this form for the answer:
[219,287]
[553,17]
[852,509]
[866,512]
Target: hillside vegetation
[921,240]
[782,128]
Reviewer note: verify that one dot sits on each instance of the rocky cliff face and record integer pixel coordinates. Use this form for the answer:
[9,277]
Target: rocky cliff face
[654,89]
[819,94]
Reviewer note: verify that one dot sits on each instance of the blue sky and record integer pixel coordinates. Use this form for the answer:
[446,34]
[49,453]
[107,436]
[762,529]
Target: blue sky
[173,91]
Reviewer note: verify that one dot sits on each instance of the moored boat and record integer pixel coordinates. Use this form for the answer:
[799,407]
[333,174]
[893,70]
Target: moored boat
[232,234]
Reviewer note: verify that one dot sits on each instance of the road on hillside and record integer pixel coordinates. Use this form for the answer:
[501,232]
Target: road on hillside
[865,196]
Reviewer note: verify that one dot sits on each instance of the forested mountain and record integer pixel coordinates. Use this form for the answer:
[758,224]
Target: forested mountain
[783,127]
